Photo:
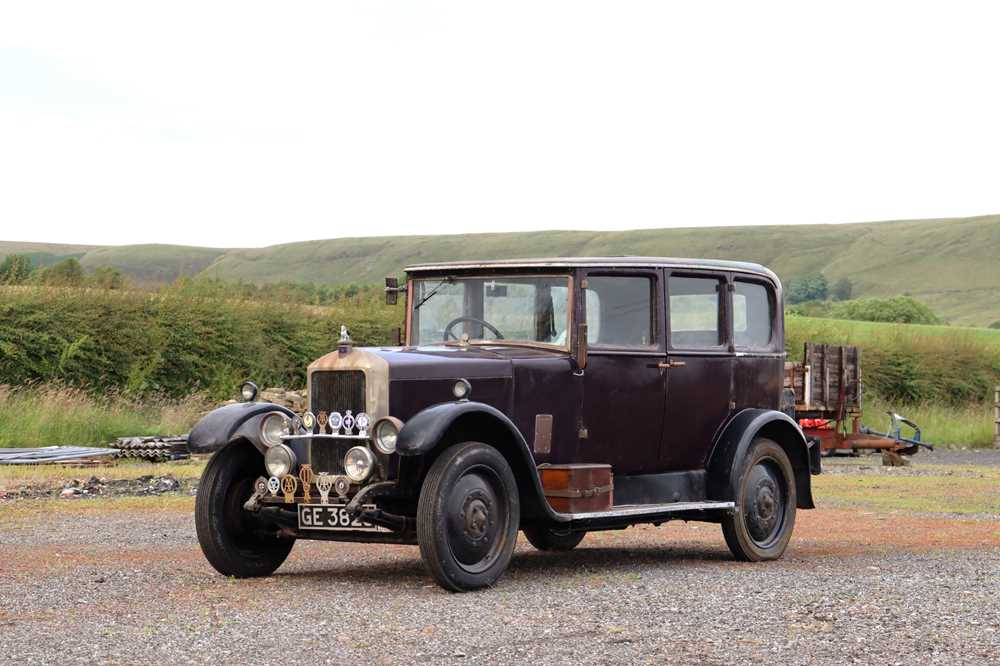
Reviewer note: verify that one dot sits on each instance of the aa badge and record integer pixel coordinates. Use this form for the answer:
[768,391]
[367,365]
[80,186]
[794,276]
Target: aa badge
[288,485]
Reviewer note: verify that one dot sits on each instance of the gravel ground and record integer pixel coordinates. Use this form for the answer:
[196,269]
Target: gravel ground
[855,586]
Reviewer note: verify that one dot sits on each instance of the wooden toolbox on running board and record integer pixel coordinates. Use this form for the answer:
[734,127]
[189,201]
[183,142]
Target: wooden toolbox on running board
[577,488]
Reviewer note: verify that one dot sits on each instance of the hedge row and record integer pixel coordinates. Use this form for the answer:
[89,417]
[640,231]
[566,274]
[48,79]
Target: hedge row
[168,344]
[173,344]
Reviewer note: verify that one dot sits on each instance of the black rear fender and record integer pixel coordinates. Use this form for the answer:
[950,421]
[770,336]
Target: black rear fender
[735,440]
[231,422]
[436,428]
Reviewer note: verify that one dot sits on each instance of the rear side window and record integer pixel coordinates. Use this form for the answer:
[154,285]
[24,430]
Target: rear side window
[695,312]
[620,311]
[752,315]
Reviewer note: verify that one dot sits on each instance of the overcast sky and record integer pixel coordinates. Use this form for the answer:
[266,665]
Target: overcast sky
[249,124]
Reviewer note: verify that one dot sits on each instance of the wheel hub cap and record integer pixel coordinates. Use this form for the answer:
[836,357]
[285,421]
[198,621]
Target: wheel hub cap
[763,502]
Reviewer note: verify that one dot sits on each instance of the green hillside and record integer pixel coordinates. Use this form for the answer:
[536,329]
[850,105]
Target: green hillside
[948,263]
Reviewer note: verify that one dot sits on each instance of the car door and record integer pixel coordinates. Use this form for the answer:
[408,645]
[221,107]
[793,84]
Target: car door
[699,356]
[623,384]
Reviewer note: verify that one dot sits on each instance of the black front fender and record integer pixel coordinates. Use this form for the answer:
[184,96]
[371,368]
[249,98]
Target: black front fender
[223,425]
[736,438]
[423,433]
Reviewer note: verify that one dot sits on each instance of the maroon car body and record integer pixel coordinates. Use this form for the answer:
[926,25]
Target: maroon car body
[669,371]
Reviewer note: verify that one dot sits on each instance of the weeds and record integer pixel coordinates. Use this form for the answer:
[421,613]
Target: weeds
[43,415]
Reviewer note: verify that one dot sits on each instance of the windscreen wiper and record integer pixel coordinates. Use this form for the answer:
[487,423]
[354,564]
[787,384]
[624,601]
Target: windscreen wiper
[447,280]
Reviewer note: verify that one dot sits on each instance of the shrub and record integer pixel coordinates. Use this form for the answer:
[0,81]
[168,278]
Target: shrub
[898,309]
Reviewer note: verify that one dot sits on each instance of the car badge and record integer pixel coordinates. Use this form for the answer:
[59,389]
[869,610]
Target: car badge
[324,483]
[260,487]
[296,425]
[362,422]
[321,419]
[348,423]
[309,421]
[341,485]
[336,420]
[306,476]
[273,485]
[288,485]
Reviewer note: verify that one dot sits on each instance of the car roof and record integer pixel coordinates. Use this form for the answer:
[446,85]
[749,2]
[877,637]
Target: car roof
[597,262]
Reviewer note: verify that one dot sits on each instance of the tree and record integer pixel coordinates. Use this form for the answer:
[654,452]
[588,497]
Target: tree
[811,287]
[105,277]
[842,289]
[15,269]
[67,273]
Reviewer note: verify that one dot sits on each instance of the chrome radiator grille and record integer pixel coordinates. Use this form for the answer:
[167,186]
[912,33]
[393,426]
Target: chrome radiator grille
[334,391]
[337,391]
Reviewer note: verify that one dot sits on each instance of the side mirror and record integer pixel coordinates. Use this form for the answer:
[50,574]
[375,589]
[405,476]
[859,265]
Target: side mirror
[580,350]
[392,290]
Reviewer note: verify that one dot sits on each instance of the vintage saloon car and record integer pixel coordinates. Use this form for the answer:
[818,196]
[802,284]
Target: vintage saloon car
[552,396]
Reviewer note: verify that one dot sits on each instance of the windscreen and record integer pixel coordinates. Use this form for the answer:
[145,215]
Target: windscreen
[533,309]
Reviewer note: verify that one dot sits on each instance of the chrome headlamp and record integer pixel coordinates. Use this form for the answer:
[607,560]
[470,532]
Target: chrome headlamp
[385,432]
[279,460]
[272,427]
[359,463]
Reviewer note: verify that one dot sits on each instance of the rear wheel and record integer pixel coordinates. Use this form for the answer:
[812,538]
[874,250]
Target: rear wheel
[548,538]
[468,516]
[232,539]
[762,522]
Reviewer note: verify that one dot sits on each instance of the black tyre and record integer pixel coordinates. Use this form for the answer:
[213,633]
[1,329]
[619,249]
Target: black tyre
[762,523]
[233,539]
[548,538]
[468,516]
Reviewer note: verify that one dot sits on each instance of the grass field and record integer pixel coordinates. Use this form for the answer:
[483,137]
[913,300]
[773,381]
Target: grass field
[947,263]
[48,415]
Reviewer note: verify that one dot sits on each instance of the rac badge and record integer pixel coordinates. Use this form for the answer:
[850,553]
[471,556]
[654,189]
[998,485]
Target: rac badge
[324,483]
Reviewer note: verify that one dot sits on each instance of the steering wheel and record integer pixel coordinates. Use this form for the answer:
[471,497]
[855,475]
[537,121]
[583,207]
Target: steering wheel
[475,320]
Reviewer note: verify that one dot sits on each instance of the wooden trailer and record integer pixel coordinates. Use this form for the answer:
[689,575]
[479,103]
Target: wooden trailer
[828,388]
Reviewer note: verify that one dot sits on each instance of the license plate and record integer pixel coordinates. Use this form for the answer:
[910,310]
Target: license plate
[333,517]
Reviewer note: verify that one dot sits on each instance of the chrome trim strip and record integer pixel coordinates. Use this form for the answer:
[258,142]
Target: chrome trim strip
[326,436]
[636,510]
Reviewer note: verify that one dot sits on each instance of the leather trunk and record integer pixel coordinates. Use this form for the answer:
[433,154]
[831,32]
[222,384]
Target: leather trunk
[577,488]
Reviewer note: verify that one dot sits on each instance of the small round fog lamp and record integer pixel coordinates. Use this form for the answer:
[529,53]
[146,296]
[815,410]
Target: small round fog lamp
[248,391]
[462,389]
[359,463]
[279,460]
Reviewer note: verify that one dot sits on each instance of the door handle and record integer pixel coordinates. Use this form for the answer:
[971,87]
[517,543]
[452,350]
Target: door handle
[671,364]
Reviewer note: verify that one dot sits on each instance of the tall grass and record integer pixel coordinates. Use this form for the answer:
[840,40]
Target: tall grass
[47,415]
[941,425]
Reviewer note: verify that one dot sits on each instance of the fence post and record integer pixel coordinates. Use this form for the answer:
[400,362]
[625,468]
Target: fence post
[996,417]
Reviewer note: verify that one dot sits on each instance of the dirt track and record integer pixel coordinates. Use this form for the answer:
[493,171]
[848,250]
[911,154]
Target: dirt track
[107,584]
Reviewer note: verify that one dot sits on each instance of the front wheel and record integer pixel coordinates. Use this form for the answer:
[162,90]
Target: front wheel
[232,539]
[468,516]
[761,524]
[549,538]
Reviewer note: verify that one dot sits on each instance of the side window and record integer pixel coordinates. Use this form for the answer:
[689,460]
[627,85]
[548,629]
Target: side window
[752,315]
[620,311]
[695,312]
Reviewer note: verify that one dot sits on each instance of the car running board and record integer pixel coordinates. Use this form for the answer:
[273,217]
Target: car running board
[646,513]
